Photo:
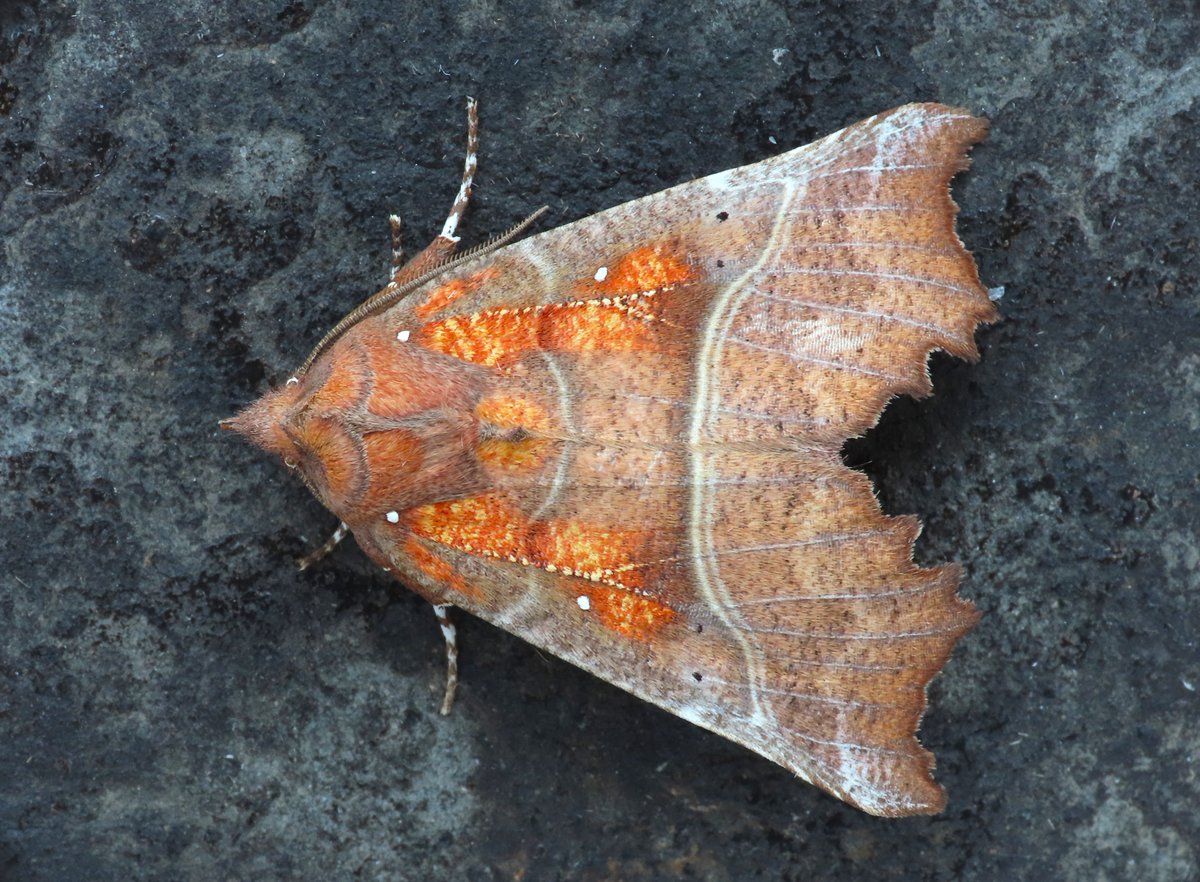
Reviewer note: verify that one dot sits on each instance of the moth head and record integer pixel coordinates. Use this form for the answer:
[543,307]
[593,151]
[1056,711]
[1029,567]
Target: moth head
[305,423]
[263,422]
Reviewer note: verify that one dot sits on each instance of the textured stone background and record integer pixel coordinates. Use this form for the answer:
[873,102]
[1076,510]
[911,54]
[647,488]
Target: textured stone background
[191,193]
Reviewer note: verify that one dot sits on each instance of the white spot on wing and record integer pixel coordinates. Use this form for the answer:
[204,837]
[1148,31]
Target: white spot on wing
[584,602]
[403,336]
[601,274]
[393,517]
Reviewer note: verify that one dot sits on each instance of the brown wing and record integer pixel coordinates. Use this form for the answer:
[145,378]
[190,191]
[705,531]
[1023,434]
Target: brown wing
[793,621]
[827,275]
[663,502]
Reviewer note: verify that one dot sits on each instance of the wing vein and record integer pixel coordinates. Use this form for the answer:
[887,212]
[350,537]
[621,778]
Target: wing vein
[792,419]
[937,583]
[807,696]
[882,635]
[713,554]
[874,274]
[865,313]
[856,169]
[823,362]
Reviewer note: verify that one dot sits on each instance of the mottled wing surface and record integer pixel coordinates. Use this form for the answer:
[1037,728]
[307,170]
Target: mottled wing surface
[662,500]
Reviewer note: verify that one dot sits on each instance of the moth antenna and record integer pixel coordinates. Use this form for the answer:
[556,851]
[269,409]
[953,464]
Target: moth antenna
[444,244]
[397,245]
[499,241]
[469,165]
[391,294]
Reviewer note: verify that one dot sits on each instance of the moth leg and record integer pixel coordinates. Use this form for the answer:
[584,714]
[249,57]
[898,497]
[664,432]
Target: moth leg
[443,246]
[442,611]
[325,548]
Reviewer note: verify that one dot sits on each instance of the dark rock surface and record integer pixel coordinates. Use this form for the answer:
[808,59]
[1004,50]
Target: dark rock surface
[191,193]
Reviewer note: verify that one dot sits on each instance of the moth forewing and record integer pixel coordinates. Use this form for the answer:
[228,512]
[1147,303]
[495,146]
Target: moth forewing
[619,440]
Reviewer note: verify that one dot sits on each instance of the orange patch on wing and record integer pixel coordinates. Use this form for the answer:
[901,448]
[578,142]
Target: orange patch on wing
[618,325]
[604,559]
[485,338]
[477,525]
[448,292]
[604,556]
[441,571]
[631,615]
[517,415]
[524,455]
[513,412]
[489,526]
[645,269]
[497,336]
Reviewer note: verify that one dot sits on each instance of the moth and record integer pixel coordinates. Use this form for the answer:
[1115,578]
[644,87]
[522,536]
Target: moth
[620,440]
